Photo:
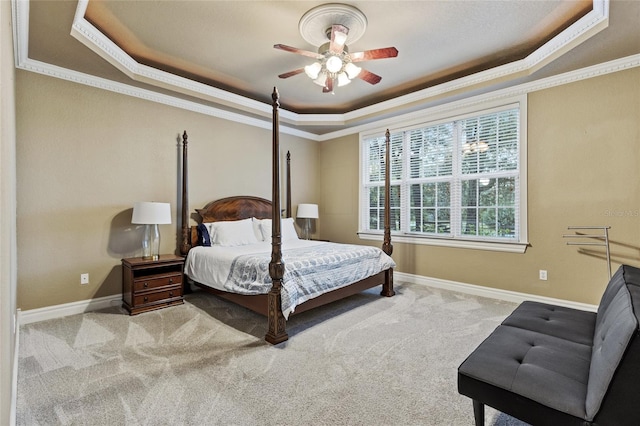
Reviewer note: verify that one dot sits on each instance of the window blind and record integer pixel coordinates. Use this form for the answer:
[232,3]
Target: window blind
[454,179]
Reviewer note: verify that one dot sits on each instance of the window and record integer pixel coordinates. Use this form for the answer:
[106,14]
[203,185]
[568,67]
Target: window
[455,180]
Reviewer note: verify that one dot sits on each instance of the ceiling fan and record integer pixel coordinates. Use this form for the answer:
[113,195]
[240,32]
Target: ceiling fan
[334,65]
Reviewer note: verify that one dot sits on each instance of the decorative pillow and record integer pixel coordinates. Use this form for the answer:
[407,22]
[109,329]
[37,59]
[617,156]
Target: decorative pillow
[203,235]
[234,233]
[287,229]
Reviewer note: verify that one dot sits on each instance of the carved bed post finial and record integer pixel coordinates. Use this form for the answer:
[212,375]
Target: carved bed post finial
[185,245]
[387,247]
[277,328]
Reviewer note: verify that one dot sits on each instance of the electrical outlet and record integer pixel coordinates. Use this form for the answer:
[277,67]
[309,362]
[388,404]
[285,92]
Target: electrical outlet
[543,275]
[84,279]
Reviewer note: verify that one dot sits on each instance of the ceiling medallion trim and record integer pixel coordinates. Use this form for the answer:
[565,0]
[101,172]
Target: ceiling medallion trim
[314,24]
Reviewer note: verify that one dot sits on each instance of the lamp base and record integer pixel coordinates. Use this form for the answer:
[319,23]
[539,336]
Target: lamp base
[151,243]
[306,232]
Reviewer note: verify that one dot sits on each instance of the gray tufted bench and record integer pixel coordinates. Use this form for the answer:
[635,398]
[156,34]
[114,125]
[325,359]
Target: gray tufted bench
[552,365]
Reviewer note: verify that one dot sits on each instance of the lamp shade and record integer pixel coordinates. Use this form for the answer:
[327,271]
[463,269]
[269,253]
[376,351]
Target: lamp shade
[150,213]
[308,211]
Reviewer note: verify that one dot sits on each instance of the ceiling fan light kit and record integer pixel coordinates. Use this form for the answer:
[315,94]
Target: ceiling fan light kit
[341,24]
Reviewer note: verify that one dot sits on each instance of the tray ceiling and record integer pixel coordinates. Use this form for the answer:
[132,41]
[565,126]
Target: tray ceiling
[221,52]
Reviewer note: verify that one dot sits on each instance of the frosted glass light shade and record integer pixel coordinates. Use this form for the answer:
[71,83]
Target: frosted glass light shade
[334,64]
[322,79]
[352,70]
[343,80]
[313,70]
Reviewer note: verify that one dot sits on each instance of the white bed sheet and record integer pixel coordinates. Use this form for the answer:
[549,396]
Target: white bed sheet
[311,268]
[211,265]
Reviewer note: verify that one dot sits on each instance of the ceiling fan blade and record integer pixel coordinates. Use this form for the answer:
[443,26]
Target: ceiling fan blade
[369,77]
[291,73]
[328,87]
[298,51]
[338,38]
[368,55]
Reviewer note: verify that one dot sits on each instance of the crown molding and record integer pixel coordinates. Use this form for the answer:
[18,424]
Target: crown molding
[589,25]
[91,37]
[594,21]
[150,95]
[498,95]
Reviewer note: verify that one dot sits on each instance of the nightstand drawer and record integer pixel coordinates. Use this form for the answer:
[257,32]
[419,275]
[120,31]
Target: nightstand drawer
[144,298]
[148,283]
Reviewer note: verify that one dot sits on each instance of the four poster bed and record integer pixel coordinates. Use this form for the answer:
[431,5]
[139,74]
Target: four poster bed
[236,252]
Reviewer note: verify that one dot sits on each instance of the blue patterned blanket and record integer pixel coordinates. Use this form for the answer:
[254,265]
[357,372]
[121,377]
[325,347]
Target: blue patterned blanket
[309,271]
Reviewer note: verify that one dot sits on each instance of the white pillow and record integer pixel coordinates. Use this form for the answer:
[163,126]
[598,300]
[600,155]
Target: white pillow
[233,233]
[256,228]
[287,229]
[209,226]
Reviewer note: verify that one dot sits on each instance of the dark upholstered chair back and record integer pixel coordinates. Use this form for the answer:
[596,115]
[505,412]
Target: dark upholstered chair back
[614,375]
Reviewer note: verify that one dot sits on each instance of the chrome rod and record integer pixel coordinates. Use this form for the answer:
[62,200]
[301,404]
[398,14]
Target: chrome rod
[604,237]
[588,227]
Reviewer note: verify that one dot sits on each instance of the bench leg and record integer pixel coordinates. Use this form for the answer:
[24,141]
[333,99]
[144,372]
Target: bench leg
[478,412]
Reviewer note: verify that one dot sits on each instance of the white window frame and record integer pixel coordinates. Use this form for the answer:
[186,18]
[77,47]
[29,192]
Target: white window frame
[443,115]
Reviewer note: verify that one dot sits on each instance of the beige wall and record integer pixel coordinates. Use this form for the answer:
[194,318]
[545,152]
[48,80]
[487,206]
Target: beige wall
[584,151]
[85,155]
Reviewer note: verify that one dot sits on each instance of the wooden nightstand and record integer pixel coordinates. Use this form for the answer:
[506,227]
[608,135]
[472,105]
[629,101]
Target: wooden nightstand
[151,284]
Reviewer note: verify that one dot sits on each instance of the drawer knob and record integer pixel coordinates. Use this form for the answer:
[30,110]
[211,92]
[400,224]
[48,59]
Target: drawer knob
[146,299]
[170,294]
[171,280]
[145,285]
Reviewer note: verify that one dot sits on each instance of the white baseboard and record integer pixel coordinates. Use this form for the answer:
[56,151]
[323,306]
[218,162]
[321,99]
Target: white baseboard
[493,293]
[58,311]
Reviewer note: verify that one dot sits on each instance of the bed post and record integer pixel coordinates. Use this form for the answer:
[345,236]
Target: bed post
[185,246]
[277,328]
[288,205]
[387,247]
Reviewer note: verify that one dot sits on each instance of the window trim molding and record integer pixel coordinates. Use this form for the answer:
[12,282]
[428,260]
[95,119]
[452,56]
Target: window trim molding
[501,246]
[436,115]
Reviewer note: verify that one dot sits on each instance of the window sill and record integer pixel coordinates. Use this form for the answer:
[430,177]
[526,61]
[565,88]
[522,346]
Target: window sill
[501,246]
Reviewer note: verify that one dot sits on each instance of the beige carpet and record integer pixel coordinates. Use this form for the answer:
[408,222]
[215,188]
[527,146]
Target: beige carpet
[366,360]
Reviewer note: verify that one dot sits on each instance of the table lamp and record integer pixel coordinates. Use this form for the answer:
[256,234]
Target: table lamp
[308,212]
[151,214]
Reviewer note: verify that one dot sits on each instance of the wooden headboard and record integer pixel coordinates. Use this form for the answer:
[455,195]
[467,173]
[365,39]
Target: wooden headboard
[236,208]
[231,208]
